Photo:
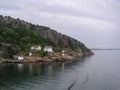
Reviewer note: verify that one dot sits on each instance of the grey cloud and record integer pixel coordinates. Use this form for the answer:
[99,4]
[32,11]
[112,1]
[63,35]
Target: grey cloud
[99,9]
[12,4]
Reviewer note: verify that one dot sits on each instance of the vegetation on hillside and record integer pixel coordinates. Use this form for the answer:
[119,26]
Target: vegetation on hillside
[21,39]
[17,35]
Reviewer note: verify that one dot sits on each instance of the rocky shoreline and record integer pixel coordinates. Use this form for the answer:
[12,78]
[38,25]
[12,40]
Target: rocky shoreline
[48,59]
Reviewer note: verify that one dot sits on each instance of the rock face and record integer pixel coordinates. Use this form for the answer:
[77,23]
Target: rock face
[59,39]
[63,40]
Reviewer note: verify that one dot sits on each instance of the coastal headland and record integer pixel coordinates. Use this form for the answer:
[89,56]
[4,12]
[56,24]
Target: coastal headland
[22,42]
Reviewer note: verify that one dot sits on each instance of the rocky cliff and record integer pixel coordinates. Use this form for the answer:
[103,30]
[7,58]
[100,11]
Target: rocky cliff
[56,39]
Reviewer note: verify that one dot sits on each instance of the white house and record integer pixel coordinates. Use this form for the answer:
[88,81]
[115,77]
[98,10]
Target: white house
[48,49]
[20,57]
[36,47]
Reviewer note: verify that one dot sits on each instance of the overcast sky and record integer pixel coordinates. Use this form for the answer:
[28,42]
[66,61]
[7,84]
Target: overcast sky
[93,22]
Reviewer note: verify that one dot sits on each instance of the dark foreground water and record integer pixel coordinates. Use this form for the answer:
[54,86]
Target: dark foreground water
[98,72]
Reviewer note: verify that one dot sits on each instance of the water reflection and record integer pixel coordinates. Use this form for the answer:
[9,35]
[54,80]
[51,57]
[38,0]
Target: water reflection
[20,66]
[35,69]
[63,66]
[86,73]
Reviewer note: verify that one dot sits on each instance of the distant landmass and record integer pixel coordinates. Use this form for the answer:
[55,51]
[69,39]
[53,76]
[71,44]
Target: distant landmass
[105,49]
[17,36]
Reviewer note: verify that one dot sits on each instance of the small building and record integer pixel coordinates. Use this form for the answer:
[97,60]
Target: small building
[30,53]
[17,57]
[48,49]
[36,47]
[63,53]
[20,57]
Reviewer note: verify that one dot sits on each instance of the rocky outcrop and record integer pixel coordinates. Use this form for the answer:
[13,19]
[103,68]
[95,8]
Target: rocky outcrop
[59,39]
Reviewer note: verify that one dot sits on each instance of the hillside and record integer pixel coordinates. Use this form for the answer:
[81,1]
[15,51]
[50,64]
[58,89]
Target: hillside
[17,35]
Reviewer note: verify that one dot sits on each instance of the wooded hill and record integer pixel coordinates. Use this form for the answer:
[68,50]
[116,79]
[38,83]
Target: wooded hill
[18,35]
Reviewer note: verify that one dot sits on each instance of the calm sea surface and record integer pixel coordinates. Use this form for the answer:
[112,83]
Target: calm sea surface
[98,72]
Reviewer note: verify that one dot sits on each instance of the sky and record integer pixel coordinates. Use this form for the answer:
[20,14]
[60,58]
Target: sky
[93,22]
